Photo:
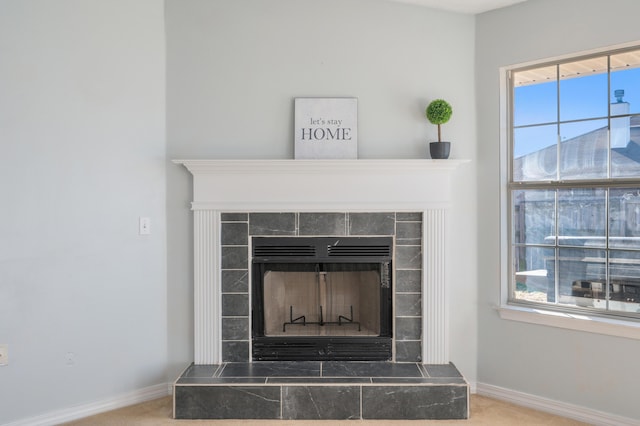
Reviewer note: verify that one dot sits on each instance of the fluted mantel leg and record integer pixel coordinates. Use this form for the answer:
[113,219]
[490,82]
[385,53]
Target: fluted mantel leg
[435,309]
[207,288]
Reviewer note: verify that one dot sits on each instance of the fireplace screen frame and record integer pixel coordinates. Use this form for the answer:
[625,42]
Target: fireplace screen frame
[322,255]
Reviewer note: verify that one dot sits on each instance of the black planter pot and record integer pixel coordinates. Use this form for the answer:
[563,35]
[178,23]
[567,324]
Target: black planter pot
[439,150]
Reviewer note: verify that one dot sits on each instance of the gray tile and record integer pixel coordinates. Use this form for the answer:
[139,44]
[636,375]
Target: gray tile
[408,233]
[235,328]
[322,224]
[222,380]
[409,281]
[408,328]
[408,257]
[235,305]
[408,305]
[320,402]
[234,217]
[319,380]
[414,402]
[234,234]
[408,351]
[235,258]
[272,369]
[200,370]
[369,369]
[235,351]
[442,370]
[235,281]
[372,223]
[420,381]
[409,217]
[272,224]
[227,402]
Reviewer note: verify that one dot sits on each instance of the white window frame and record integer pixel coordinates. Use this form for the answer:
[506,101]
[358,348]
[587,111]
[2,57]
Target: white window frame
[600,324]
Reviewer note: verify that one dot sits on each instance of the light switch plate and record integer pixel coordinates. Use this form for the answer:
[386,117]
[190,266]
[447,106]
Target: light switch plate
[145,226]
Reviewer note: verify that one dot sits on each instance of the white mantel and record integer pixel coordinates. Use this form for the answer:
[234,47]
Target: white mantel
[321,186]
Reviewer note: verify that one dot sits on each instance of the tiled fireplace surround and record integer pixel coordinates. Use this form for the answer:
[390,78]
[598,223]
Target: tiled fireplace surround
[238,228]
[237,199]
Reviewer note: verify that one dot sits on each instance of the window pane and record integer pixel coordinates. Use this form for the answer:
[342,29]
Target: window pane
[584,150]
[531,276]
[582,215]
[535,96]
[624,218]
[625,147]
[574,233]
[624,276]
[625,75]
[535,153]
[582,278]
[583,89]
[534,216]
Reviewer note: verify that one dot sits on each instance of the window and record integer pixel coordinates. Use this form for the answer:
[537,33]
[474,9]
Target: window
[573,185]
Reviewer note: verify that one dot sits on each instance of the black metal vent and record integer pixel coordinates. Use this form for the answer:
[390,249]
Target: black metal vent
[284,251]
[322,349]
[322,249]
[359,251]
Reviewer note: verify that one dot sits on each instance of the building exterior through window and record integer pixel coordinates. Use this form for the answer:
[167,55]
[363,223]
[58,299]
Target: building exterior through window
[573,184]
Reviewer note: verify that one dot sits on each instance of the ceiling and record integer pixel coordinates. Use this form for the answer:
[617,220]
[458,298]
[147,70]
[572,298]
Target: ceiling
[463,6]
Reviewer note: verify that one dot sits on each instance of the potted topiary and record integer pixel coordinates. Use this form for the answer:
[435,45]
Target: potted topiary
[439,112]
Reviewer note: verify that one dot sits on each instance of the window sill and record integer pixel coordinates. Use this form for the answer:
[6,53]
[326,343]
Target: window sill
[589,324]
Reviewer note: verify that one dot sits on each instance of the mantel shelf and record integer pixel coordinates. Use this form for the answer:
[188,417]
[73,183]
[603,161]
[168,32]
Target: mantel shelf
[208,166]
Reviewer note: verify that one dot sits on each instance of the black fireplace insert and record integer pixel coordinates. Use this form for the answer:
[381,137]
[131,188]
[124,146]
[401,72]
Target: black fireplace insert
[322,298]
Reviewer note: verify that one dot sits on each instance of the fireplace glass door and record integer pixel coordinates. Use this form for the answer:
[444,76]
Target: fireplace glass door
[328,302]
[309,304]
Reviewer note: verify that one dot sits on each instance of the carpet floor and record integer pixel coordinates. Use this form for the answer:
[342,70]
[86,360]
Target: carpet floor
[484,411]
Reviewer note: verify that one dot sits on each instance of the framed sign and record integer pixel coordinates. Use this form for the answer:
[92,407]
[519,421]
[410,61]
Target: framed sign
[326,128]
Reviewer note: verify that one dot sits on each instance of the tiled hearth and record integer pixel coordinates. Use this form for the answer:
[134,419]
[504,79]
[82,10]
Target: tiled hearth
[314,390]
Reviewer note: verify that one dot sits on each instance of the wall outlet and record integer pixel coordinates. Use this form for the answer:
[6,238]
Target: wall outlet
[70,359]
[4,354]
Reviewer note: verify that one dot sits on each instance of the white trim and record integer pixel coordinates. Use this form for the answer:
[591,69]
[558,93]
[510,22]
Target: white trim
[207,288]
[551,406]
[578,322]
[97,407]
[314,207]
[435,288]
[208,166]
[504,177]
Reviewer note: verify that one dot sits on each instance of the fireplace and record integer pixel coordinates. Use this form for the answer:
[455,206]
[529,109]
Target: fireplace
[322,298]
[232,195]
[247,216]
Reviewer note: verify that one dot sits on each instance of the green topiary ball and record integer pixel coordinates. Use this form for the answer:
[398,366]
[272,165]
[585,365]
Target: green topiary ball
[439,111]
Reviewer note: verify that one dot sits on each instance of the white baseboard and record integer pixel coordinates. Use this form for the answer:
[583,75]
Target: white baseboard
[97,407]
[563,409]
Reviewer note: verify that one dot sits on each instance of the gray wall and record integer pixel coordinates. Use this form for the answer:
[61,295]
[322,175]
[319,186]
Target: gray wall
[82,140]
[585,369]
[234,68]
[82,119]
